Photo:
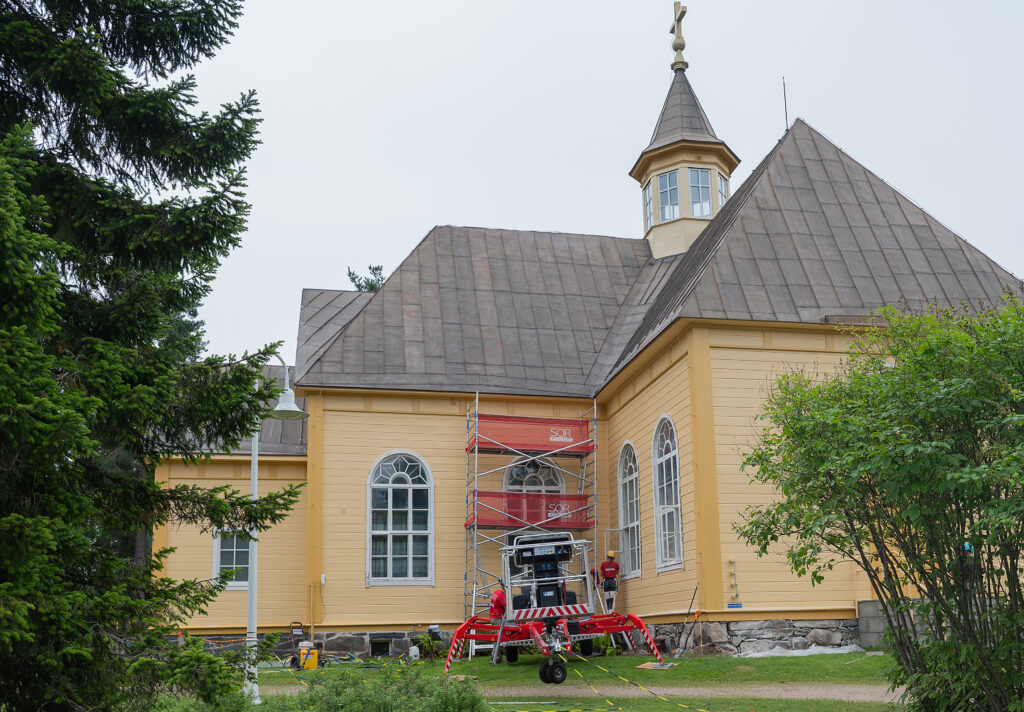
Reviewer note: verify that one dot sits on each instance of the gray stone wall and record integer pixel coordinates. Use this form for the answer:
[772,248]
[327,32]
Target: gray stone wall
[363,644]
[729,638]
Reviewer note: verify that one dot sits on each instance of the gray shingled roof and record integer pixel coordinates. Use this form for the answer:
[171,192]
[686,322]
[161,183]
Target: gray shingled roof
[279,437]
[811,236]
[682,118]
[500,310]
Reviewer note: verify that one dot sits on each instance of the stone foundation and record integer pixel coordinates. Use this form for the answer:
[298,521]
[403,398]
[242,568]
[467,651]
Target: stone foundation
[729,638]
[707,637]
[361,644]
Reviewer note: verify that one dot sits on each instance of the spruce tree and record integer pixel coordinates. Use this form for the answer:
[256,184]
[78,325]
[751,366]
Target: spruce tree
[118,200]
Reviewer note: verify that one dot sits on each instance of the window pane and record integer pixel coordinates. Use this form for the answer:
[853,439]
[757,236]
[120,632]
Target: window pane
[399,521]
[419,567]
[227,559]
[420,521]
[420,499]
[380,498]
[379,567]
[400,498]
[399,545]
[242,558]
[419,545]
[380,521]
[242,574]
[380,546]
[400,567]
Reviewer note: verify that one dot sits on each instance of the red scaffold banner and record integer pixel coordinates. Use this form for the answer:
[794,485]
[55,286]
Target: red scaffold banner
[511,510]
[501,433]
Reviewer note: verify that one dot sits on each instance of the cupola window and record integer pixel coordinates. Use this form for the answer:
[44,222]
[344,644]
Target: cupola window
[723,190]
[700,192]
[668,195]
[648,207]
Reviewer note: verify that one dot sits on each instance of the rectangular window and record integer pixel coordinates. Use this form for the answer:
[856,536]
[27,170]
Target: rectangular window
[668,195]
[700,192]
[723,190]
[648,207]
[230,551]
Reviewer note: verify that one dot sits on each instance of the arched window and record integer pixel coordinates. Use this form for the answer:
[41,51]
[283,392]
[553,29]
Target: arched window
[629,512]
[534,476]
[667,518]
[400,503]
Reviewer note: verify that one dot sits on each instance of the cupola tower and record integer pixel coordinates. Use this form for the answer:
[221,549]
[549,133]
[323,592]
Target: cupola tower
[684,172]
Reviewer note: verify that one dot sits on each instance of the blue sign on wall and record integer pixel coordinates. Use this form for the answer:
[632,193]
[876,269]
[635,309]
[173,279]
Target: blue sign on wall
[734,605]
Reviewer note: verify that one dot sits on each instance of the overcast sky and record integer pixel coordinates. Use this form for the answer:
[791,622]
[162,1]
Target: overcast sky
[382,120]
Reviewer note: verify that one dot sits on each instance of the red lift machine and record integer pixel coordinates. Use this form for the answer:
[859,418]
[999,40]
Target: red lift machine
[554,610]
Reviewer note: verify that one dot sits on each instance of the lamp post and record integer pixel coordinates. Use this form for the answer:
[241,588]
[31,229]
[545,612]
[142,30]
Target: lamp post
[284,410]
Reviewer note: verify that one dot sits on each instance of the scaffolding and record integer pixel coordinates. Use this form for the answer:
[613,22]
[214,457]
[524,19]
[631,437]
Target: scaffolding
[495,515]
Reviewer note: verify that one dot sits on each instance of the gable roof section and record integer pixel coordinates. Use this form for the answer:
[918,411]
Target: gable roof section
[501,310]
[812,235]
[323,314]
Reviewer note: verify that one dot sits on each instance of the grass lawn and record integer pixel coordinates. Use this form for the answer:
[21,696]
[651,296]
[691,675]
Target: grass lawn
[714,704]
[849,668]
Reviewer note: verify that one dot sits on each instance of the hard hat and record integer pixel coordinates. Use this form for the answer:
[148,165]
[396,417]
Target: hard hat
[611,554]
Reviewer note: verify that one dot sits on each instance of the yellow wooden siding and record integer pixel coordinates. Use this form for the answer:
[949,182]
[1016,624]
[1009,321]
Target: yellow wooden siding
[281,562]
[741,379]
[434,429]
[633,413]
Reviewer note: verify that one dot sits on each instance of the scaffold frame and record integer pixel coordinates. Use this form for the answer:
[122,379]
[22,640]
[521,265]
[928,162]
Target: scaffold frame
[495,516]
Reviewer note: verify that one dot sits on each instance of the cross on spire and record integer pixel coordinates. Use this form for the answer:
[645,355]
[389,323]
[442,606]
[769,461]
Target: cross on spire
[679,44]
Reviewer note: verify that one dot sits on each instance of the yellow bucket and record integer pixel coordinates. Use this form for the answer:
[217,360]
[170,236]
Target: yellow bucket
[308,656]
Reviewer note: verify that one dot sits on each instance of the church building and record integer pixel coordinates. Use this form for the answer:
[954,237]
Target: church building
[640,362]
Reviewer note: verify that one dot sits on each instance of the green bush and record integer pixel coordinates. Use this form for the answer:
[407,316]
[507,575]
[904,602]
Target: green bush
[394,688]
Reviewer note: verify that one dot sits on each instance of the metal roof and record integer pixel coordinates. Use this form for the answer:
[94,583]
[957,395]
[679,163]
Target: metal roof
[811,236]
[682,118]
[504,311]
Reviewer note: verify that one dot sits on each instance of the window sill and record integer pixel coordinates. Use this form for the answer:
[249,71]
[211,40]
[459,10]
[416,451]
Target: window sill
[632,575]
[671,566]
[237,586]
[399,582]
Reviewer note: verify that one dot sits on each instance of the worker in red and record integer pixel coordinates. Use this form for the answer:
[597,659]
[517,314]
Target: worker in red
[498,603]
[610,576]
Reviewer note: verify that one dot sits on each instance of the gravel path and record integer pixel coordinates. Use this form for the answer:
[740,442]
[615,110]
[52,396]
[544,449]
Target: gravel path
[781,690]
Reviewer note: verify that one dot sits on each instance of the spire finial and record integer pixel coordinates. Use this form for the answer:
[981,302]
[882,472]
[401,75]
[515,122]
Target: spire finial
[679,44]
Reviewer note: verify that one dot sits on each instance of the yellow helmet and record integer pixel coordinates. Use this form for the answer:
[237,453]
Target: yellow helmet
[611,554]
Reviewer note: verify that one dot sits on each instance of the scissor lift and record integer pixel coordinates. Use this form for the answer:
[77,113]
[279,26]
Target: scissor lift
[554,610]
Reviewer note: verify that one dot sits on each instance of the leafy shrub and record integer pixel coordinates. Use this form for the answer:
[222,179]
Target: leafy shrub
[393,688]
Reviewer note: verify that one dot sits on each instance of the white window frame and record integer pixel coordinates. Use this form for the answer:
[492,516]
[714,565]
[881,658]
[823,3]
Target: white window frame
[700,187]
[667,190]
[648,207]
[723,190]
[217,569]
[660,510]
[630,536]
[370,533]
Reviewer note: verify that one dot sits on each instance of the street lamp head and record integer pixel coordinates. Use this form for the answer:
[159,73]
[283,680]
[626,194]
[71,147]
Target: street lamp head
[286,408]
